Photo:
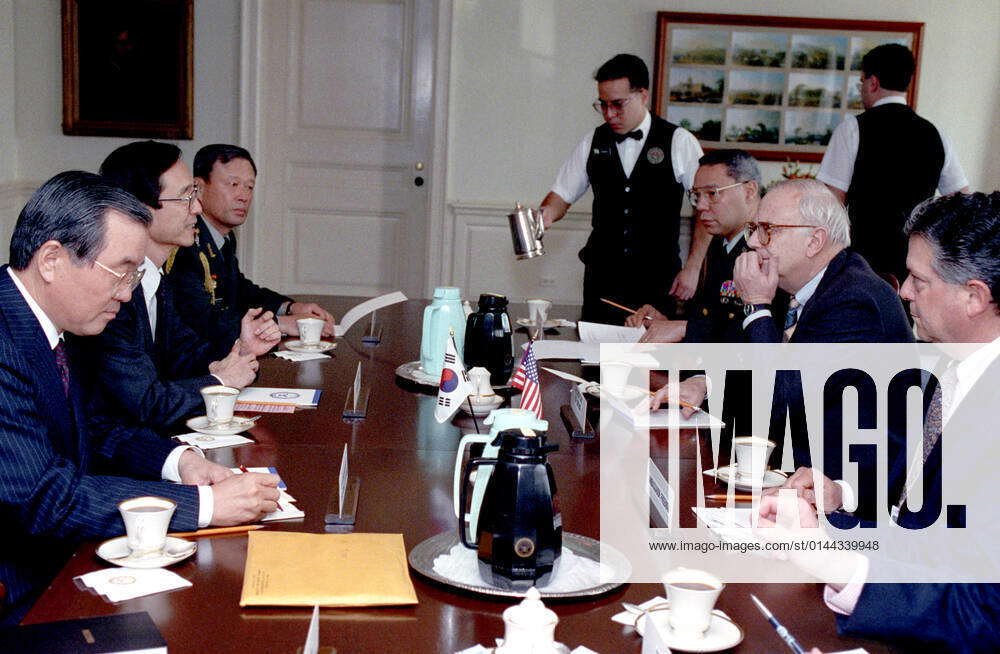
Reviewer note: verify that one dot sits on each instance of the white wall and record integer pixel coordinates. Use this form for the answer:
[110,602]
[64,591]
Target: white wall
[43,150]
[522,84]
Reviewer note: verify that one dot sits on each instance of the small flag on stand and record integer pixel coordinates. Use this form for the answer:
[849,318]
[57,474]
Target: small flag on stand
[526,378]
[454,386]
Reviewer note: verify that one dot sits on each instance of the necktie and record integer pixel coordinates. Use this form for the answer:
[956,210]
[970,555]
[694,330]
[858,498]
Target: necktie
[228,249]
[62,363]
[791,319]
[933,422]
[634,134]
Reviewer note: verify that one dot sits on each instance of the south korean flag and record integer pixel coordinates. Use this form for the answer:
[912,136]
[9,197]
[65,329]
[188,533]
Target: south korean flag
[454,386]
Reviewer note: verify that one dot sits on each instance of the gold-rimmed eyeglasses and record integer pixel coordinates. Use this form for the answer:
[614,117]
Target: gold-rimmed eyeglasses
[189,198]
[614,106]
[712,194]
[763,230]
[128,279]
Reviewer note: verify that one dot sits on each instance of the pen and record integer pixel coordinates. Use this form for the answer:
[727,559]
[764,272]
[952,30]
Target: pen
[243,468]
[722,497]
[782,632]
[215,531]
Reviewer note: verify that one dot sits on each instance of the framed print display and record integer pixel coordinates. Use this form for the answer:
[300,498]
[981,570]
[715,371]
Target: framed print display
[775,86]
[128,68]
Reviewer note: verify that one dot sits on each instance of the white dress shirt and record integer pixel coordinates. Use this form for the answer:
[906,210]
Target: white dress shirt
[150,284]
[572,181]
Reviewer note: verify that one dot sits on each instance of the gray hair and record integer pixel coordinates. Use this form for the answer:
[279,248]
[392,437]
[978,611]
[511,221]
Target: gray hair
[819,206]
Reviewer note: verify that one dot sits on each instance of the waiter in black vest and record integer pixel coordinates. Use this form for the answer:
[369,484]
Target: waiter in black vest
[639,166]
[886,161]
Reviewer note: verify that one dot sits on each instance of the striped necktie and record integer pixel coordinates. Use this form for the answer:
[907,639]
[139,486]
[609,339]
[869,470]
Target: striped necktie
[62,363]
[791,320]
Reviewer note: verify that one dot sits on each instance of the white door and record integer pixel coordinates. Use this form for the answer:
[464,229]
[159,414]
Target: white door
[337,102]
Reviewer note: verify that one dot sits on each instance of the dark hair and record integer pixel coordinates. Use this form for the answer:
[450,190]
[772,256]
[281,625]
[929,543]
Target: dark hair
[739,165]
[137,167]
[625,65]
[71,208]
[963,232]
[205,160]
[891,63]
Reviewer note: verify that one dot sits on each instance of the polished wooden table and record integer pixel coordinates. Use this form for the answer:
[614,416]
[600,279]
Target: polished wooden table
[405,461]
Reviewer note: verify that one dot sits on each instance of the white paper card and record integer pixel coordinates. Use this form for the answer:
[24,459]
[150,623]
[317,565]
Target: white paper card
[578,403]
[596,332]
[343,481]
[206,442]
[312,637]
[357,386]
[554,349]
[660,494]
[356,313]
[652,640]
[300,356]
[120,584]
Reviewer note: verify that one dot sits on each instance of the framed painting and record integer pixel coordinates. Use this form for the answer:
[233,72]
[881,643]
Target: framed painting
[128,68]
[775,86]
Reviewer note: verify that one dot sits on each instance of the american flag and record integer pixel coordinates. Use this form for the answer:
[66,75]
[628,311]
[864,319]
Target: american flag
[526,378]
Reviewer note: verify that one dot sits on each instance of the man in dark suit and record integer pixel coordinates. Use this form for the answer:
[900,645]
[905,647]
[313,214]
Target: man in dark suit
[206,276]
[954,278]
[64,467]
[800,245]
[149,361]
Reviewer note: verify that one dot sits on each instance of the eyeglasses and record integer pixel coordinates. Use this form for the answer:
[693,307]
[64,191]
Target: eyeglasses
[763,230]
[190,198]
[615,106]
[695,195]
[129,279]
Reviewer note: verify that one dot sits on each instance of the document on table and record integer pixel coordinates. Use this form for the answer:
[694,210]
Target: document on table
[668,418]
[286,396]
[549,349]
[286,503]
[360,311]
[295,569]
[596,332]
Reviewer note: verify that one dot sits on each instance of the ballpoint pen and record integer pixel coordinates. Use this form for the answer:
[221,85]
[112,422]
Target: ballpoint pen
[782,632]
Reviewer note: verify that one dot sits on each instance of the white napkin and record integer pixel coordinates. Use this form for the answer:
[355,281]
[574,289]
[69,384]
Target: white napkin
[301,356]
[120,584]
[628,618]
[206,442]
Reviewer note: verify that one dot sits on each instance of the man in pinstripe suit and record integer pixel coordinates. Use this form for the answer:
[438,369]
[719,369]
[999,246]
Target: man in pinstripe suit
[64,467]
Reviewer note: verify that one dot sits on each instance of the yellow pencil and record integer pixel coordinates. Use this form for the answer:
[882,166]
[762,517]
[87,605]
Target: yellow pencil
[215,531]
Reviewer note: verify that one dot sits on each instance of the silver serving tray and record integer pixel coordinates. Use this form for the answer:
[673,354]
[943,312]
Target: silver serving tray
[422,557]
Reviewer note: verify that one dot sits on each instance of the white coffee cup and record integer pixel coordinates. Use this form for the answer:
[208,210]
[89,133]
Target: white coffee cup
[614,374]
[538,310]
[219,404]
[310,330]
[146,521]
[692,595]
[751,454]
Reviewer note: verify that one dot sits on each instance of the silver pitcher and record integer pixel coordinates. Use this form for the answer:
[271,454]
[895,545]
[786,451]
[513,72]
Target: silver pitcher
[527,229]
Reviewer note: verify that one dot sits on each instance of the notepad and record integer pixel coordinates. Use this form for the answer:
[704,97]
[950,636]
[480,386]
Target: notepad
[295,569]
[284,396]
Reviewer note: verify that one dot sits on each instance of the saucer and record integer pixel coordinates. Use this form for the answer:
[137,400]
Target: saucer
[296,345]
[722,633]
[234,426]
[551,323]
[117,548]
[772,479]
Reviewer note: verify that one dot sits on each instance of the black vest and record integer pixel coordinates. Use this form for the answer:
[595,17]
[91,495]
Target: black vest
[632,253]
[899,162]
[718,313]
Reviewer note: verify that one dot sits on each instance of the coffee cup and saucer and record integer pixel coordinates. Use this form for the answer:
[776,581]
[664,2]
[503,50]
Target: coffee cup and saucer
[483,400]
[751,454]
[308,342]
[145,543]
[220,401]
[689,623]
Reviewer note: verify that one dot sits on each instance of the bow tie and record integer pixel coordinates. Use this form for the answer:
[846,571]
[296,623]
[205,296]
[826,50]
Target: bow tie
[634,134]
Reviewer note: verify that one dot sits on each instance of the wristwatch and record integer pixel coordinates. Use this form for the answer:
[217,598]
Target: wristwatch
[749,309]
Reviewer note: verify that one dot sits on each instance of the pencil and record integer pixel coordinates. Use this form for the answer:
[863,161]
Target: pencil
[216,531]
[722,497]
[618,306]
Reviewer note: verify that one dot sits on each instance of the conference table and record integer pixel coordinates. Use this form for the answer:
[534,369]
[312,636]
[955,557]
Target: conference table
[405,460]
